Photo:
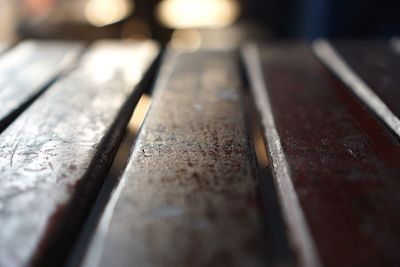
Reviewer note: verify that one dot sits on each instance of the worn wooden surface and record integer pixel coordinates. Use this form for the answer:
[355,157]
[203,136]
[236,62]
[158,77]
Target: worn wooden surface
[187,197]
[371,69]
[54,156]
[336,166]
[27,69]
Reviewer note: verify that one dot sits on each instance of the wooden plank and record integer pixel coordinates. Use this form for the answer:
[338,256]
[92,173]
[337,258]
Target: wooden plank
[371,71]
[336,166]
[187,196]
[27,69]
[54,157]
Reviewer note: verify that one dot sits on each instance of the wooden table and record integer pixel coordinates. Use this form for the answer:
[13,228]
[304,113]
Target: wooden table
[190,192]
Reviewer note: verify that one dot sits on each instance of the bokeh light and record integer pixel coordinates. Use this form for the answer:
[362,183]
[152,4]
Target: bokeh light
[181,14]
[100,13]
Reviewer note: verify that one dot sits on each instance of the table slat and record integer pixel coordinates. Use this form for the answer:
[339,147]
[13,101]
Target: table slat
[336,166]
[187,196]
[27,69]
[54,157]
[371,70]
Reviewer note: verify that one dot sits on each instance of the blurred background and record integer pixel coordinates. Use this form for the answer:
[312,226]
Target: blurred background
[198,22]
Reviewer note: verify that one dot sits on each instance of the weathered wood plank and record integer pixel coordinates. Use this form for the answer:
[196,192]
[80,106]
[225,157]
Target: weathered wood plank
[187,197]
[335,165]
[371,70]
[27,69]
[54,156]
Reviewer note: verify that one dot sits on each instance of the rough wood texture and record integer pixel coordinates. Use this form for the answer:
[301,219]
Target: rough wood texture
[54,156]
[336,166]
[371,70]
[187,197]
[27,69]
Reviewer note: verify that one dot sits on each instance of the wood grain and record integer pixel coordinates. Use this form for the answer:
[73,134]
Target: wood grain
[187,196]
[371,71]
[27,69]
[54,157]
[335,165]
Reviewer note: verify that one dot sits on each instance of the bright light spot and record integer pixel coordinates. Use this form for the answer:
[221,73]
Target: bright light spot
[140,113]
[181,14]
[111,61]
[104,12]
[186,40]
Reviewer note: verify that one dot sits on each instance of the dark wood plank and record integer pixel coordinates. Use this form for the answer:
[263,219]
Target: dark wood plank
[27,69]
[54,156]
[371,70]
[336,166]
[187,197]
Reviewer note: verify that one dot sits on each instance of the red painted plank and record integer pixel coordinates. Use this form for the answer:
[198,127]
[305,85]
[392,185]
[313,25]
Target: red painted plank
[336,166]
[371,71]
